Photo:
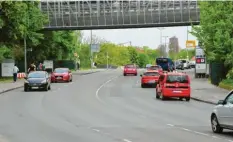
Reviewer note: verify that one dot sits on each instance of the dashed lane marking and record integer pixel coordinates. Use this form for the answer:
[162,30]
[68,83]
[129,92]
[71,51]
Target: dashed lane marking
[96,130]
[170,125]
[126,140]
[97,91]
[200,133]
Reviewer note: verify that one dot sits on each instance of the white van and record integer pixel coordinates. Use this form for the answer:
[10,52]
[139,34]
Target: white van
[185,63]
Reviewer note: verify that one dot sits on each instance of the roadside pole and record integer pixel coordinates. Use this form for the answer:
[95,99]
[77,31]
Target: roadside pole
[25,54]
[107,59]
[91,52]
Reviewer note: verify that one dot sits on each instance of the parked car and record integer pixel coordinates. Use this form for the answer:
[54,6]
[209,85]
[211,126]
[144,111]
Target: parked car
[37,80]
[61,75]
[192,64]
[130,69]
[173,85]
[222,114]
[149,78]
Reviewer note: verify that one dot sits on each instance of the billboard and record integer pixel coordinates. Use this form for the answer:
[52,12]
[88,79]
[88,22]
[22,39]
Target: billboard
[190,43]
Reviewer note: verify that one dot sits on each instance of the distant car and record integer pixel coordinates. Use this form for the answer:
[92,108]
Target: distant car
[179,65]
[222,115]
[37,80]
[192,64]
[149,78]
[61,75]
[173,85]
[166,63]
[130,69]
[156,68]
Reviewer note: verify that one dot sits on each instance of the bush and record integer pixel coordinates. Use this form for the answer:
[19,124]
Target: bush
[226,84]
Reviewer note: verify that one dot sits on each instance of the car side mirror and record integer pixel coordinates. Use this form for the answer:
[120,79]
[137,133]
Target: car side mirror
[221,102]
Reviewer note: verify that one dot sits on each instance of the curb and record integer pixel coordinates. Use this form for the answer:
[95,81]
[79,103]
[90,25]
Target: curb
[11,89]
[204,101]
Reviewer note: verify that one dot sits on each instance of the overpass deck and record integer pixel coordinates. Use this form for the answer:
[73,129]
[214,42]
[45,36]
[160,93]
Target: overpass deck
[109,14]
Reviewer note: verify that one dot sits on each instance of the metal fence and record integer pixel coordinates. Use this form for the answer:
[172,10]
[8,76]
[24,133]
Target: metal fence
[119,13]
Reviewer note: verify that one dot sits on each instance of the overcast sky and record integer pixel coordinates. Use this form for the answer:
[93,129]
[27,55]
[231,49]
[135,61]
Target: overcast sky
[143,36]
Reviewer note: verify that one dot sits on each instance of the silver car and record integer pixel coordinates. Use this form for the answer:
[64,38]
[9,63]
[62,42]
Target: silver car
[222,115]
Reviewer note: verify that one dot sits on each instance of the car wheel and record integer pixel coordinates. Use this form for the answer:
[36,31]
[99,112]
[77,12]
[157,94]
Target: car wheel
[49,87]
[142,86]
[71,79]
[187,99]
[124,74]
[136,74]
[26,89]
[157,95]
[46,88]
[216,128]
[161,96]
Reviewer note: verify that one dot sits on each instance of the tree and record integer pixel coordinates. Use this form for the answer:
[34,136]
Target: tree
[215,30]
[143,59]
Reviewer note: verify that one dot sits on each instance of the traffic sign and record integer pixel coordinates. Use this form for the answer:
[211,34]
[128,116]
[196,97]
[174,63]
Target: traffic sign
[190,43]
[95,47]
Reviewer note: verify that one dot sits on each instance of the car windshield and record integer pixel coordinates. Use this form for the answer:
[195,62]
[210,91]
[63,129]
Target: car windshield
[61,70]
[154,68]
[161,60]
[129,66]
[183,61]
[36,75]
[151,74]
[177,78]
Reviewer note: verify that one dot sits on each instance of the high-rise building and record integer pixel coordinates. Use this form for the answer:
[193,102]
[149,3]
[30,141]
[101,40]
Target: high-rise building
[173,44]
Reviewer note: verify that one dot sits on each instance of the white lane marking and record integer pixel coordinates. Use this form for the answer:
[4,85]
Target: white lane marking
[216,137]
[58,88]
[66,85]
[200,133]
[126,140]
[229,140]
[170,125]
[96,130]
[97,91]
[186,129]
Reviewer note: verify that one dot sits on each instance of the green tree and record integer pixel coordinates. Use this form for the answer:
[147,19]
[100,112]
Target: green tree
[143,59]
[215,30]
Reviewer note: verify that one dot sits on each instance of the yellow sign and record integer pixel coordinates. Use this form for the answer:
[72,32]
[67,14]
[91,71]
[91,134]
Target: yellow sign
[190,43]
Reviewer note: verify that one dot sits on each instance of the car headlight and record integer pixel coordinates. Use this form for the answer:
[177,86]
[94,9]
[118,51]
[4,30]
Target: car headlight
[44,81]
[25,81]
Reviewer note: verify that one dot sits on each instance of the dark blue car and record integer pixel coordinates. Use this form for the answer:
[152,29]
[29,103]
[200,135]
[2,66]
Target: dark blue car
[166,64]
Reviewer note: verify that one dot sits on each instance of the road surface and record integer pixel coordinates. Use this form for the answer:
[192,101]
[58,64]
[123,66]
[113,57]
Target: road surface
[103,107]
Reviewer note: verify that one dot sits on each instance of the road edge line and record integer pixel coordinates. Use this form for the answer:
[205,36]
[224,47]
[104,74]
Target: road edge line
[101,86]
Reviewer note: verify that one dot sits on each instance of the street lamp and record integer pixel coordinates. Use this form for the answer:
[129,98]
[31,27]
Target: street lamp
[161,29]
[165,45]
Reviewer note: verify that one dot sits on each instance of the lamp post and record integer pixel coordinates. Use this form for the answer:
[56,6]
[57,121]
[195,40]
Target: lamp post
[91,50]
[165,45]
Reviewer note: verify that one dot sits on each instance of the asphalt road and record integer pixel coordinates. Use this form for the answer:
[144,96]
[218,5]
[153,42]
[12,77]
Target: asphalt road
[103,107]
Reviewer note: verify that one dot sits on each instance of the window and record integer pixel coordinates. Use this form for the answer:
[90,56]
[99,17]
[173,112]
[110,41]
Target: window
[129,66]
[36,75]
[161,60]
[151,74]
[154,67]
[229,99]
[177,78]
[61,70]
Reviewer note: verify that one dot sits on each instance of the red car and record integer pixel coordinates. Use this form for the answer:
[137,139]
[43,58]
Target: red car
[61,75]
[156,67]
[149,78]
[130,69]
[173,85]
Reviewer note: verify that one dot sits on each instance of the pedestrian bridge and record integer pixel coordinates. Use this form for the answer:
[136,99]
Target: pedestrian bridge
[114,14]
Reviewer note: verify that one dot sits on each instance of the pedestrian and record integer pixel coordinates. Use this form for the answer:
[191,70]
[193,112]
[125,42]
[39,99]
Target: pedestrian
[15,72]
[32,68]
[41,67]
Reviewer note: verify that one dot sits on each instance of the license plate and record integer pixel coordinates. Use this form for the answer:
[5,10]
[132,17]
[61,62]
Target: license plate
[151,81]
[176,91]
[35,87]
[59,78]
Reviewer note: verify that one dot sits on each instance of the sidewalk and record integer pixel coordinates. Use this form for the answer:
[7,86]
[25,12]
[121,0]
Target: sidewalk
[203,91]
[8,86]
